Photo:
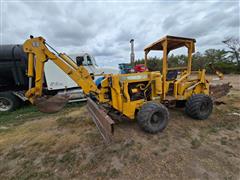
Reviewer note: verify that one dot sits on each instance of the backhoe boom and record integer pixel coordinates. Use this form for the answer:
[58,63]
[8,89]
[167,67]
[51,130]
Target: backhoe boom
[39,53]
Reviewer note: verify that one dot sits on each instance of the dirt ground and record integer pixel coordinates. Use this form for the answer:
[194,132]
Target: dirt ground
[67,145]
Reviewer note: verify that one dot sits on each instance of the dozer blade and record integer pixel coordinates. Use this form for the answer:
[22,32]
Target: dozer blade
[219,90]
[103,122]
[51,104]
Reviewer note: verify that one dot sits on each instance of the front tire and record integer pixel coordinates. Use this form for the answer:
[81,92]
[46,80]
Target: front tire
[199,106]
[153,117]
[8,102]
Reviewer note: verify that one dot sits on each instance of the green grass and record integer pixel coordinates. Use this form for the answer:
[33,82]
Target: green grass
[65,120]
[28,112]
[19,116]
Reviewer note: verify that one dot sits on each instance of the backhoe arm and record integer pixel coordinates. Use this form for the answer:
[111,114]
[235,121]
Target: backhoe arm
[38,54]
[218,73]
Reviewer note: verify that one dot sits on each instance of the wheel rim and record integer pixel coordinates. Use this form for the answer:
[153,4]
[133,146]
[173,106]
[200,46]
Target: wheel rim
[5,104]
[157,118]
[204,108]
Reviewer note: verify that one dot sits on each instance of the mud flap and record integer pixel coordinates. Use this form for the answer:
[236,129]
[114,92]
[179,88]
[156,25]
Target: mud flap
[103,122]
[51,104]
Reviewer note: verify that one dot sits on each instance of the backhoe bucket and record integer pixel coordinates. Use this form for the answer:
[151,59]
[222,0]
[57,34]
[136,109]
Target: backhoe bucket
[51,104]
[103,122]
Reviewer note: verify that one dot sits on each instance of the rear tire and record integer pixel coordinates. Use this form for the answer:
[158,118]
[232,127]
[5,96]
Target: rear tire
[153,117]
[199,106]
[8,102]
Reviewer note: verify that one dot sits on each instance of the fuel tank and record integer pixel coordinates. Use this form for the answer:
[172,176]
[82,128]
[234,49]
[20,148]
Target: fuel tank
[12,52]
[13,66]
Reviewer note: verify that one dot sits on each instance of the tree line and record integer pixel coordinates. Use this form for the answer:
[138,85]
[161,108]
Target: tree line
[225,60]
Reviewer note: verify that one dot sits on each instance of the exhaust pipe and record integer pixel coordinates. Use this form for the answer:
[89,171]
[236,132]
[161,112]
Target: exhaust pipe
[132,55]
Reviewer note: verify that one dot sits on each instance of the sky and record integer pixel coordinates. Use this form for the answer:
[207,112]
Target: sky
[104,28]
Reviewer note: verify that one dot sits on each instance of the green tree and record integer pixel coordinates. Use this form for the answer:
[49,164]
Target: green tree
[198,61]
[233,45]
[218,57]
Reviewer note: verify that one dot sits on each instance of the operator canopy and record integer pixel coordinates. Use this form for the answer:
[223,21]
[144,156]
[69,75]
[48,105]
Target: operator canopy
[173,42]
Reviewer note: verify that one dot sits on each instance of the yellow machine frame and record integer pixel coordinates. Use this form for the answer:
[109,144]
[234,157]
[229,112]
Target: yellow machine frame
[127,94]
[184,85]
[120,99]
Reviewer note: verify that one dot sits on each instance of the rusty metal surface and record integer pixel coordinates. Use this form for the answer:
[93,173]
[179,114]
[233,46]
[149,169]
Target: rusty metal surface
[103,122]
[51,104]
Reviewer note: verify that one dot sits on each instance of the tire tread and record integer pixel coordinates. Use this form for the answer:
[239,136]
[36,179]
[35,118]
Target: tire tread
[193,106]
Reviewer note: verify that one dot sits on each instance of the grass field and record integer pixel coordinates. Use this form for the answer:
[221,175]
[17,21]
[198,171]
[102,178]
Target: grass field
[67,145]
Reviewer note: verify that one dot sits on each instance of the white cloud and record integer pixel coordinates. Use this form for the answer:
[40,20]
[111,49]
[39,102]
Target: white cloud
[104,29]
